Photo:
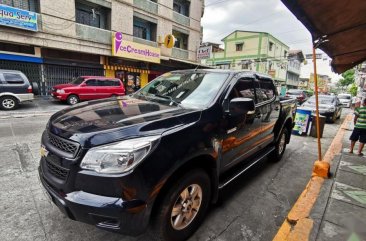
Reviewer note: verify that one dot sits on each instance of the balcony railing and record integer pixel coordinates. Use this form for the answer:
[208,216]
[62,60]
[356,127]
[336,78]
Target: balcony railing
[93,34]
[144,41]
[180,53]
[147,5]
[181,19]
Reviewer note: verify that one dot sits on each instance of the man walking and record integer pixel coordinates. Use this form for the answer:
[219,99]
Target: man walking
[359,132]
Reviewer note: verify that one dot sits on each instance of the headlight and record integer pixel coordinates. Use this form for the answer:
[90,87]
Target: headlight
[60,91]
[119,157]
[332,108]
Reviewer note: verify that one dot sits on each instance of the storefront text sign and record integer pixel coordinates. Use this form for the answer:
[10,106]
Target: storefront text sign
[131,50]
[204,52]
[18,18]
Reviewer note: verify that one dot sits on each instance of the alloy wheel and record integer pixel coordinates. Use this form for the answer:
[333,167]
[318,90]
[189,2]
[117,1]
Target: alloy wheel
[8,103]
[282,144]
[186,207]
[73,100]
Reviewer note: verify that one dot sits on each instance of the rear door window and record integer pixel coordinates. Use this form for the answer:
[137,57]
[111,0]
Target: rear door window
[13,78]
[92,82]
[109,82]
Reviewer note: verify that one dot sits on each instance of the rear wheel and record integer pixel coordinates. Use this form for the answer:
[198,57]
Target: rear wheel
[183,207]
[73,99]
[9,103]
[280,147]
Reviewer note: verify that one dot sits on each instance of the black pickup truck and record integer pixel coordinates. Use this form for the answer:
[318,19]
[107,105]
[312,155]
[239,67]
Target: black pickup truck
[156,159]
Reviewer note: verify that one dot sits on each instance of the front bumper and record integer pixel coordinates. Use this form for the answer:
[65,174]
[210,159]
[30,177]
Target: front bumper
[58,96]
[109,213]
[327,114]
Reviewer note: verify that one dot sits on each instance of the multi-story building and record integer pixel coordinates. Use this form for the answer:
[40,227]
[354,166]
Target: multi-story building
[55,41]
[360,76]
[257,51]
[295,58]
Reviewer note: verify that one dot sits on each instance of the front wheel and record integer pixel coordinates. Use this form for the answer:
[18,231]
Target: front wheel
[72,99]
[183,207]
[280,147]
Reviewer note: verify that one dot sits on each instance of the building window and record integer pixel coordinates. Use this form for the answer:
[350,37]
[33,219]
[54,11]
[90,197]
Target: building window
[181,6]
[270,46]
[285,54]
[92,15]
[144,29]
[239,46]
[29,5]
[181,40]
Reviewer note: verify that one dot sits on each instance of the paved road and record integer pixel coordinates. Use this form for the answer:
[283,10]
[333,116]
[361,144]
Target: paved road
[252,208]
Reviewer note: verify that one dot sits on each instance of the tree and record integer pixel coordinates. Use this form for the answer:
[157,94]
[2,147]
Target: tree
[353,90]
[348,79]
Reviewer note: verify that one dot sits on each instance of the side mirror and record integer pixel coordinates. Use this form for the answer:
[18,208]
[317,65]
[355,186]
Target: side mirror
[241,106]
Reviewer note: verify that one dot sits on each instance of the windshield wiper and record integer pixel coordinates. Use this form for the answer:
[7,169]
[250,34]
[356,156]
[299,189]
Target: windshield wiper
[168,98]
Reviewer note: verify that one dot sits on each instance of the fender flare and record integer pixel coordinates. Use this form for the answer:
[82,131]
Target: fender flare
[9,94]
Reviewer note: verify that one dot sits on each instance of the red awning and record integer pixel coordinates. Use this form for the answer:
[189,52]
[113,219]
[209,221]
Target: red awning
[339,25]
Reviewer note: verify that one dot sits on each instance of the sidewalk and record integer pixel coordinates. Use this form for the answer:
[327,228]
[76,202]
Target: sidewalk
[41,105]
[340,210]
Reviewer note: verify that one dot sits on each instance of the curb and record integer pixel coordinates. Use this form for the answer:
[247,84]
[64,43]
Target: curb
[298,224]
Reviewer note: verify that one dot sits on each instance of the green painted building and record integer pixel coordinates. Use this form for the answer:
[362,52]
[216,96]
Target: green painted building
[256,51]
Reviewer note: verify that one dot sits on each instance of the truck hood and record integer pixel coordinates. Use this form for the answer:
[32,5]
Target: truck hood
[104,121]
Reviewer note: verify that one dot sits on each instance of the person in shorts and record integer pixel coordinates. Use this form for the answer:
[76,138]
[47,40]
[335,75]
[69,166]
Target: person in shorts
[359,132]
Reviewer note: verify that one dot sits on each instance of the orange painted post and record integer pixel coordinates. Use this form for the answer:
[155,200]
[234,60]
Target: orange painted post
[317,107]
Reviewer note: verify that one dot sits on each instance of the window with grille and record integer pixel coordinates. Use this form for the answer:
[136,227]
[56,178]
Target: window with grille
[239,46]
[181,40]
[144,29]
[92,15]
[29,5]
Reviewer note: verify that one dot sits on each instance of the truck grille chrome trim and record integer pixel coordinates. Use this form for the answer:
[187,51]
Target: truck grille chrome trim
[63,144]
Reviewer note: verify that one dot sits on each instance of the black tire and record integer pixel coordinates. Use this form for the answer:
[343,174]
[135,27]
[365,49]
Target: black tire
[280,147]
[35,88]
[72,99]
[333,118]
[9,103]
[162,227]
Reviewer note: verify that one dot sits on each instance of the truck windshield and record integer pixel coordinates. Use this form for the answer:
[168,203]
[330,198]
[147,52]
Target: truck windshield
[191,89]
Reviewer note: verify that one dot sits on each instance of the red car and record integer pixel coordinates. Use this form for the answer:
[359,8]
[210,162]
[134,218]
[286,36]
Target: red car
[88,88]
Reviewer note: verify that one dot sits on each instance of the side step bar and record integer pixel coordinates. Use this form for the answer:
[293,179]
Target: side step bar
[240,171]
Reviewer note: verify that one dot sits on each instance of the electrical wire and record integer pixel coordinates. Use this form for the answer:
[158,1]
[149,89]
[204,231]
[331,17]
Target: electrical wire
[215,3]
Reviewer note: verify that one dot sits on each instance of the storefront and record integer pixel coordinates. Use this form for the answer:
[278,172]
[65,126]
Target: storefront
[130,62]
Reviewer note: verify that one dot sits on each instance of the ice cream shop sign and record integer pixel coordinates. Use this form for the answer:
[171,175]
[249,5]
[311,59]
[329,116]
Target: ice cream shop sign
[132,50]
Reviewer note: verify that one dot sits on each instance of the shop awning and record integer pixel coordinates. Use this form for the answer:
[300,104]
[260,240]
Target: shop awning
[338,26]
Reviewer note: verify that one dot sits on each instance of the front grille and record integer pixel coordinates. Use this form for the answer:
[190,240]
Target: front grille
[57,171]
[63,144]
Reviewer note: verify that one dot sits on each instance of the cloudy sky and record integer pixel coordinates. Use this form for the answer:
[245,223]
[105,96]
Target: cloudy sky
[224,16]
